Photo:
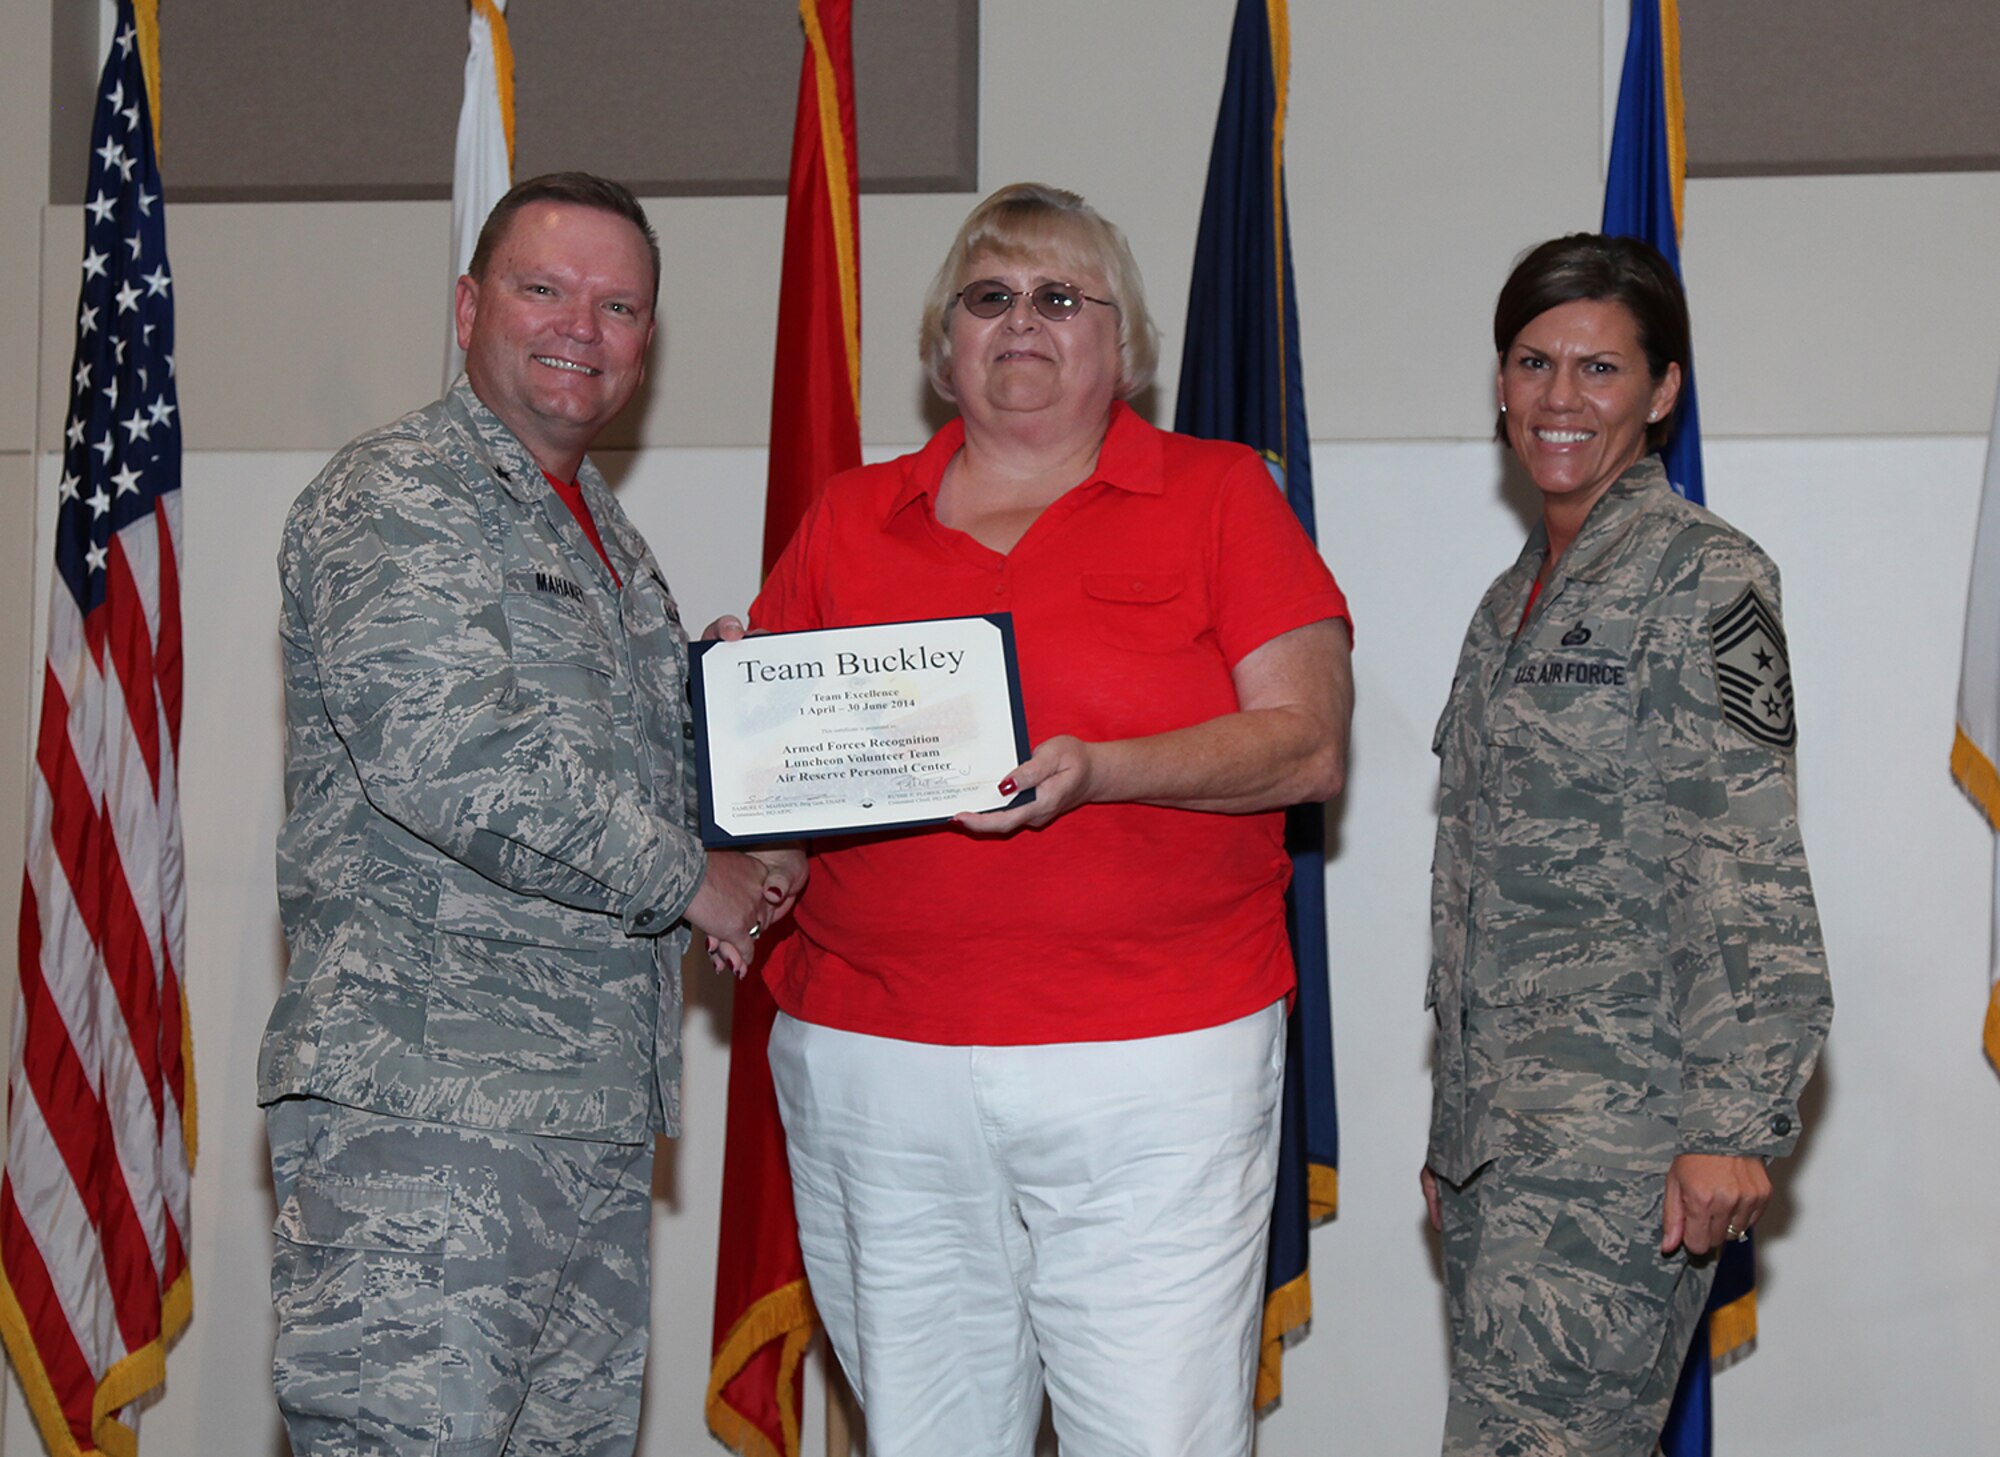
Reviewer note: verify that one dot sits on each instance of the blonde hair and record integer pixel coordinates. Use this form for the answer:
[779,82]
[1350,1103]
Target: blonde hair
[1031,220]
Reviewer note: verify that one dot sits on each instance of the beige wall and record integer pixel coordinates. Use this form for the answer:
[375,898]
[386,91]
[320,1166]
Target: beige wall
[24,131]
[24,166]
[1430,142]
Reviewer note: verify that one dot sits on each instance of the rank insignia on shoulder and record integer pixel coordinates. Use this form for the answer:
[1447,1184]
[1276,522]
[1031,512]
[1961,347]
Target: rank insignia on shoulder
[1753,676]
[1576,637]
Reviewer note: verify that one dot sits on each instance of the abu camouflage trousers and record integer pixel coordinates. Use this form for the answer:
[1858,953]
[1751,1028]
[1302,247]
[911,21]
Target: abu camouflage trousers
[455,1291]
[1568,1326]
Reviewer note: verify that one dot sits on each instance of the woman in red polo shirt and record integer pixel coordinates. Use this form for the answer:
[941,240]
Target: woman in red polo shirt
[1029,1063]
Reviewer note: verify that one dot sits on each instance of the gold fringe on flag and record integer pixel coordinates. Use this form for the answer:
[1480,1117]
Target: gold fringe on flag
[1286,1309]
[840,192]
[1992,1038]
[1670,64]
[1280,21]
[1976,776]
[503,70]
[1733,1328]
[131,1378]
[786,1312]
[146,15]
[1322,1192]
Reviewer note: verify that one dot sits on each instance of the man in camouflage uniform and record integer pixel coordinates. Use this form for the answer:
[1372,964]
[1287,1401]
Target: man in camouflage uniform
[1628,977]
[487,872]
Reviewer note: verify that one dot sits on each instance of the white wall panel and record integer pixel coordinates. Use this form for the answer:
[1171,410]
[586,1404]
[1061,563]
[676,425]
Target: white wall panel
[1880,1274]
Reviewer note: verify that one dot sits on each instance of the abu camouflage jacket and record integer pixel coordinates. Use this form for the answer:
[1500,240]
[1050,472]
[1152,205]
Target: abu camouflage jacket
[488,842]
[1626,961]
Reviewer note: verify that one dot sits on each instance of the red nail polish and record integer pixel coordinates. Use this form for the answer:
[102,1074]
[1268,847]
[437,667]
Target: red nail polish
[1007,786]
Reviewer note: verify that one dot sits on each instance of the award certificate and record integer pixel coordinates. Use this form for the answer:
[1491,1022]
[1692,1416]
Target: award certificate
[851,729]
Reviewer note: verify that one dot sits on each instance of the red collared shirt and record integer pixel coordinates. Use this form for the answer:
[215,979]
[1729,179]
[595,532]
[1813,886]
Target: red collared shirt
[572,497]
[1133,597]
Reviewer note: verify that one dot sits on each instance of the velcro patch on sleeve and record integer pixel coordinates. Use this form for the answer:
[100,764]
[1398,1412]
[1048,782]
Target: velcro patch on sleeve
[1753,676]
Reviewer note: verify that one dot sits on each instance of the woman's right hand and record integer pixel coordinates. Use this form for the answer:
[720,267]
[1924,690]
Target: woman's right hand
[1059,771]
[1433,1205]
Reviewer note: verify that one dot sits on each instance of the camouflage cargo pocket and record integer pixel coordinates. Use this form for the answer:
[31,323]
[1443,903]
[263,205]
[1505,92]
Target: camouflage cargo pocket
[358,1284]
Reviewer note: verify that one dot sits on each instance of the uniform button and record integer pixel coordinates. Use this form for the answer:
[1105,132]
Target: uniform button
[1782,1124]
[646,920]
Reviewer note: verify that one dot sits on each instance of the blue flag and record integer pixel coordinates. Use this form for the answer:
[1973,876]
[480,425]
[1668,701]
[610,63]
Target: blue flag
[1240,381]
[1643,185]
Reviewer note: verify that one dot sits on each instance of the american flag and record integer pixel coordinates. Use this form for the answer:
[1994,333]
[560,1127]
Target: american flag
[94,1277]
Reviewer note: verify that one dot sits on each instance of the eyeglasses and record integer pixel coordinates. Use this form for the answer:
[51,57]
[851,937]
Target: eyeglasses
[989,298]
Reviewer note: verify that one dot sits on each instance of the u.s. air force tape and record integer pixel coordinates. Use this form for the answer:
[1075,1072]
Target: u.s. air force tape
[1752,674]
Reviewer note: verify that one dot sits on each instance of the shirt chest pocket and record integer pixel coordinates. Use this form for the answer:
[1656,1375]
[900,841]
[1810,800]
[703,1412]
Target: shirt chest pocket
[1561,696]
[1143,612]
[651,624]
[546,628]
[1559,753]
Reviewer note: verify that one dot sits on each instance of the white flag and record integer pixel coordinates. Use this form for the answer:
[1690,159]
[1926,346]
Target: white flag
[1975,751]
[484,168]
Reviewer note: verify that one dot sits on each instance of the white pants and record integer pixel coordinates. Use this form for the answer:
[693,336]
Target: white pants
[978,1219]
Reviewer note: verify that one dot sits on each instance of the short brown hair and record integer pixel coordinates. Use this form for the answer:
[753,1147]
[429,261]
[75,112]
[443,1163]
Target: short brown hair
[582,189]
[1629,271]
[1027,219]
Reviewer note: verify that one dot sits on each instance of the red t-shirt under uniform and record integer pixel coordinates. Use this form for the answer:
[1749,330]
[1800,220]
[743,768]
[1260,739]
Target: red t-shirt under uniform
[1133,596]
[571,494]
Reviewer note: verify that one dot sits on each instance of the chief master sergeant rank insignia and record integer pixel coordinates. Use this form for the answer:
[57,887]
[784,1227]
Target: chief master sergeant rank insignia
[1752,673]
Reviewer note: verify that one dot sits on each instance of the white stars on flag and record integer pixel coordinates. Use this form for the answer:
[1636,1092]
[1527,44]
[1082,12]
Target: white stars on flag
[124,423]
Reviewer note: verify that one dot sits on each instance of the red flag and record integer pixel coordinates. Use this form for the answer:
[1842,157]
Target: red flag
[764,1314]
[94,1219]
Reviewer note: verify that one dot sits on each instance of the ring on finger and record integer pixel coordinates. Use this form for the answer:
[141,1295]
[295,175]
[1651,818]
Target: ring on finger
[757,929]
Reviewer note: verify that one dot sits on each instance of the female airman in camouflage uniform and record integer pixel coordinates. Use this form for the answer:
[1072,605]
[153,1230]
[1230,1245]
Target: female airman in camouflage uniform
[1628,978]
